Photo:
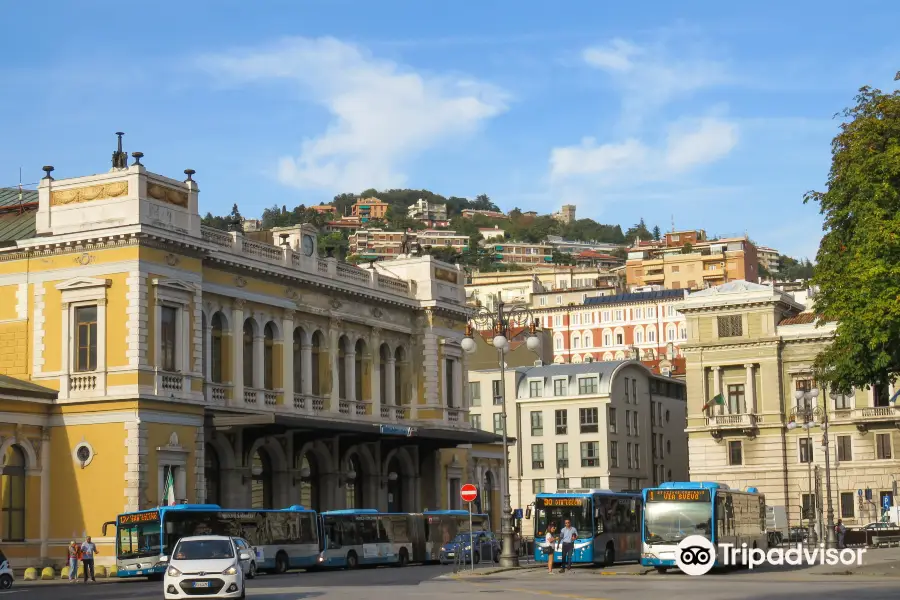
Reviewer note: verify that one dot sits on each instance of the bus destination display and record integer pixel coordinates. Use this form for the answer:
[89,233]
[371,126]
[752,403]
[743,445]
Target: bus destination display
[560,501]
[678,496]
[144,517]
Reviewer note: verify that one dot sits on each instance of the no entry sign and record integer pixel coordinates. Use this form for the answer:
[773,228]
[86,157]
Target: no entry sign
[468,492]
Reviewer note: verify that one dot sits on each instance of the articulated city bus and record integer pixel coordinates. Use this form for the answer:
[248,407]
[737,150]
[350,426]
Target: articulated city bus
[608,524]
[287,538]
[676,510]
[355,537]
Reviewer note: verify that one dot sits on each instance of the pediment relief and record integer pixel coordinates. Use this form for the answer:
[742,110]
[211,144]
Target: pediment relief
[83,283]
[176,285]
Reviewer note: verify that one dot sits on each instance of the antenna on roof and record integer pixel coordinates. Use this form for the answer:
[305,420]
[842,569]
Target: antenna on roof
[673,222]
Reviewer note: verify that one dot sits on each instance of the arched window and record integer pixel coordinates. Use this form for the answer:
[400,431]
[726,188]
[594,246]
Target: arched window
[488,495]
[683,332]
[205,352]
[588,340]
[309,480]
[384,355]
[261,480]
[651,335]
[316,359]
[670,333]
[211,470]
[359,373]
[298,360]
[400,367]
[558,343]
[607,356]
[13,487]
[342,367]
[269,357]
[607,339]
[248,353]
[216,351]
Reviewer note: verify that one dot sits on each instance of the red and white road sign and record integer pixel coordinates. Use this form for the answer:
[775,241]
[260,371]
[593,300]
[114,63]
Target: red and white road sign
[468,492]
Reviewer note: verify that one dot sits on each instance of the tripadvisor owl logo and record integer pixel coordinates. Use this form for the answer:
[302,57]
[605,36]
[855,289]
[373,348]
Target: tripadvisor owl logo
[696,555]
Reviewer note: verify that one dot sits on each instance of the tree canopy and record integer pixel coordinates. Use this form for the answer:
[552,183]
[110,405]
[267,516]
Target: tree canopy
[858,263]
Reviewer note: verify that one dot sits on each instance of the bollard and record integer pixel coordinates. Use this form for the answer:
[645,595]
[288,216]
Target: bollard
[31,574]
[48,574]
[112,571]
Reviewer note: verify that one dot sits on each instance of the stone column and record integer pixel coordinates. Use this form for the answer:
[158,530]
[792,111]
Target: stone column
[45,495]
[333,352]
[287,360]
[390,385]
[717,386]
[306,376]
[750,390]
[237,351]
[258,360]
[375,369]
[350,366]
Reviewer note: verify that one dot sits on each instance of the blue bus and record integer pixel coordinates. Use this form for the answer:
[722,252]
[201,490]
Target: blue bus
[608,524]
[676,510]
[286,538]
[355,537]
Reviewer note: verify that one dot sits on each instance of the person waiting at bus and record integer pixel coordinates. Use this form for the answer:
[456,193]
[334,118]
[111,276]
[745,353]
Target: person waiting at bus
[549,547]
[568,535]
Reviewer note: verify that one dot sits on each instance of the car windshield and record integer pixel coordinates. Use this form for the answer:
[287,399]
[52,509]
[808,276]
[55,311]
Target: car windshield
[674,521]
[204,550]
[464,537]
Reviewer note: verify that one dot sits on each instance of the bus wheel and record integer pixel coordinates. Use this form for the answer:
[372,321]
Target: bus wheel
[404,557]
[352,560]
[281,563]
[662,570]
[609,556]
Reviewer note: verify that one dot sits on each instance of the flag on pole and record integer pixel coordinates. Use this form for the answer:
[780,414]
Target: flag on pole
[896,395]
[718,399]
[168,496]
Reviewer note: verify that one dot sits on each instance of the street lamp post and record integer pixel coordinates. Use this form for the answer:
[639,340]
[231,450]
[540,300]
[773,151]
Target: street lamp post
[807,416]
[505,325]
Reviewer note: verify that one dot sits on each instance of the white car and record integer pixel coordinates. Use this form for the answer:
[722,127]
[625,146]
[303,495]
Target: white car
[207,566]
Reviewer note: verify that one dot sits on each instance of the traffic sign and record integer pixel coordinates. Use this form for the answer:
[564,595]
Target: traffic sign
[468,492]
[886,502]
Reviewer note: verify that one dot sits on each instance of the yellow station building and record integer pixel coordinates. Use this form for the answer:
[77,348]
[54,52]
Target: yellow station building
[136,343]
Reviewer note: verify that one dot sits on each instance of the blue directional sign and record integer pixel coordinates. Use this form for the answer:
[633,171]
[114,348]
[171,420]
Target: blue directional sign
[517,514]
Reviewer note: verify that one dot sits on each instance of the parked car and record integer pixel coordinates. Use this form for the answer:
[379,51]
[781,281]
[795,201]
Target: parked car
[6,573]
[880,526]
[248,565]
[206,565]
[798,534]
[486,544]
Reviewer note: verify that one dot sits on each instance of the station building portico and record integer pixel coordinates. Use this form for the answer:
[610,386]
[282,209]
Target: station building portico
[139,346]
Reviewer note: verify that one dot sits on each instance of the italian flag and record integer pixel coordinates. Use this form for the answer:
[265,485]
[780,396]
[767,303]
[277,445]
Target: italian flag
[718,399]
[168,495]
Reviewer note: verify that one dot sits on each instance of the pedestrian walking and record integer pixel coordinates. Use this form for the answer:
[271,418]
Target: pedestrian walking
[549,546]
[568,536]
[840,530]
[88,551]
[73,555]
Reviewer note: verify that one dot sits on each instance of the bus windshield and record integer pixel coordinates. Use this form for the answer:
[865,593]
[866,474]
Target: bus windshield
[139,540]
[674,521]
[577,510]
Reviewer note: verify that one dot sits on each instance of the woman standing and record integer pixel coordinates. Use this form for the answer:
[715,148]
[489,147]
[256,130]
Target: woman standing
[550,545]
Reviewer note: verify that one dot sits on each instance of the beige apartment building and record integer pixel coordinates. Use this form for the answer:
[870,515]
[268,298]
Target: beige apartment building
[377,244]
[688,260]
[753,345]
[606,425]
[575,283]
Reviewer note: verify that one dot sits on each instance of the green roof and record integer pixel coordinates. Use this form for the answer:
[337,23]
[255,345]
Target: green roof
[18,212]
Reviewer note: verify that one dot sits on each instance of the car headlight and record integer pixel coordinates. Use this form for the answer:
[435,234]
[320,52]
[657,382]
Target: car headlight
[232,570]
[173,572]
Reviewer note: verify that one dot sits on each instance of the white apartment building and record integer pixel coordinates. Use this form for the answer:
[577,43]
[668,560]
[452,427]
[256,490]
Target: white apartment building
[608,425]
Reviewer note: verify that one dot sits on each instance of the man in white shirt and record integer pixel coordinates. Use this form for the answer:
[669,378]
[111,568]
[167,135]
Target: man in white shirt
[88,550]
[568,535]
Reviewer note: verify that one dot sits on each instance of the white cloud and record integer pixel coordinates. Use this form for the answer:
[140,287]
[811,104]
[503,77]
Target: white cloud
[383,113]
[651,76]
[689,144]
[588,158]
[709,140]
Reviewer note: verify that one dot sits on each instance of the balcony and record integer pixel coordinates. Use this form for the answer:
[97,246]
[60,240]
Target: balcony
[654,277]
[714,273]
[871,417]
[742,424]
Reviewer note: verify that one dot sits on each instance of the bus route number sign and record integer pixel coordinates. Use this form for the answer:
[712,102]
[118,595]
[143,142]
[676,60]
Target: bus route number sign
[144,517]
[678,496]
[561,501]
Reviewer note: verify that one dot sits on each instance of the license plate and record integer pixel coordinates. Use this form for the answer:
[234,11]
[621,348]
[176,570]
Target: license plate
[199,584]
[140,572]
[450,554]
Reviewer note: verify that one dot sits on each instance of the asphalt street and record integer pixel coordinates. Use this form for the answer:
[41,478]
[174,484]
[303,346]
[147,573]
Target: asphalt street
[418,583]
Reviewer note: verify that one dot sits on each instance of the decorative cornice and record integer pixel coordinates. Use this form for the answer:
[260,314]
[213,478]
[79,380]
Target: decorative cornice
[89,193]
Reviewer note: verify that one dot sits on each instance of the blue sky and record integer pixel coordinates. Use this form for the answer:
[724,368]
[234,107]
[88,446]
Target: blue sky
[716,115]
